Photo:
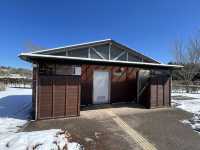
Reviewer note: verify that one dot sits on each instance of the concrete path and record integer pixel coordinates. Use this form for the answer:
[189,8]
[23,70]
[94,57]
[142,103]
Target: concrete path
[138,138]
[125,127]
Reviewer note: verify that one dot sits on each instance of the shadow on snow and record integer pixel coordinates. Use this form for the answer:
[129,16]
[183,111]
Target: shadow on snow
[16,106]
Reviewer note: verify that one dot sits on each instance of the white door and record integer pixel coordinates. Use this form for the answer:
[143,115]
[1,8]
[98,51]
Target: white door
[100,87]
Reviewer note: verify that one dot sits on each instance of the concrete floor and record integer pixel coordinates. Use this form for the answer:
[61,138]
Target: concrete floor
[96,130]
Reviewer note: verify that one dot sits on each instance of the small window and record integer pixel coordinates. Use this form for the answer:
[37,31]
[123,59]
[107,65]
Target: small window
[160,73]
[46,69]
[68,70]
[59,69]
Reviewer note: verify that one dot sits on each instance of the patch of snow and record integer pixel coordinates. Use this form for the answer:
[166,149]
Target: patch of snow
[195,95]
[194,122]
[192,106]
[15,108]
[53,139]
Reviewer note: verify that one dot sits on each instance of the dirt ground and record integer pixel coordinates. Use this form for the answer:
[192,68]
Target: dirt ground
[96,130]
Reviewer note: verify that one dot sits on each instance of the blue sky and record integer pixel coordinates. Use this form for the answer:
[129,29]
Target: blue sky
[151,27]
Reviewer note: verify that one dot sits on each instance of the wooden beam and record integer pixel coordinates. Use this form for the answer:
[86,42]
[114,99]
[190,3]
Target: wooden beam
[89,53]
[122,53]
[126,56]
[109,48]
[99,54]
[137,78]
[67,52]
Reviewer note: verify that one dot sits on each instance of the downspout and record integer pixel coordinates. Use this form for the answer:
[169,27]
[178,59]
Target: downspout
[36,94]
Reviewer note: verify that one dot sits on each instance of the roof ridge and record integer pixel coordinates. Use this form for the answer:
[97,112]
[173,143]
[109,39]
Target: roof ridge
[72,45]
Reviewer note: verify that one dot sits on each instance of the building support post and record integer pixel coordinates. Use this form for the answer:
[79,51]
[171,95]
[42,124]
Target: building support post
[137,77]
[109,48]
[66,52]
[170,87]
[127,56]
[89,53]
[36,91]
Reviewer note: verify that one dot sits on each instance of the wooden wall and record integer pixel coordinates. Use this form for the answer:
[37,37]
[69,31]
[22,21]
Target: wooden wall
[123,83]
[58,96]
[160,92]
[34,81]
[61,95]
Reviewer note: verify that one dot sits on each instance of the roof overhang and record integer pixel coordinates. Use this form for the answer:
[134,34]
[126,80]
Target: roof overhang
[30,57]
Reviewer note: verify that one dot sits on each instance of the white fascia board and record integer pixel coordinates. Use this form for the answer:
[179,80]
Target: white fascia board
[68,46]
[97,60]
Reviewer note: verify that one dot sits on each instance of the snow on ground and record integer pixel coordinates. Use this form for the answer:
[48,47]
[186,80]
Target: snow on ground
[191,105]
[53,139]
[15,108]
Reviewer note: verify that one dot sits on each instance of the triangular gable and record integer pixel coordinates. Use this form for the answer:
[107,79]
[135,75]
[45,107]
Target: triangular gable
[104,49]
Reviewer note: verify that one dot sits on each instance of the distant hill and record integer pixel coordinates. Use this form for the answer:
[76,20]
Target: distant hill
[6,71]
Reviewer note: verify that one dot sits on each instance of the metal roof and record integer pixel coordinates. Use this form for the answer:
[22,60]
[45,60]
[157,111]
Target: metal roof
[93,43]
[73,45]
[33,56]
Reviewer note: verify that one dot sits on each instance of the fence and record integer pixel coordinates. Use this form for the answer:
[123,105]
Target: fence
[2,86]
[180,88]
[15,82]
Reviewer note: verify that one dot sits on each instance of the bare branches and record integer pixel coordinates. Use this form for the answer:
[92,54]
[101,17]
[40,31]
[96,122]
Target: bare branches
[179,51]
[189,57]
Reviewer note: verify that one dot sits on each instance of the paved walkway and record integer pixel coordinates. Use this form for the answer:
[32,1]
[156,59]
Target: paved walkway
[138,138]
[127,128]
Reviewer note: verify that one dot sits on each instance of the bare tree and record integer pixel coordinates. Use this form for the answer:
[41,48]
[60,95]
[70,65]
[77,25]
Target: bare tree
[189,57]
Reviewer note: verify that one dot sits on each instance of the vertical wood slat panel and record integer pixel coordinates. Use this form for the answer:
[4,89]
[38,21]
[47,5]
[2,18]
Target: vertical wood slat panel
[59,96]
[72,96]
[45,101]
[153,95]
[34,81]
[160,92]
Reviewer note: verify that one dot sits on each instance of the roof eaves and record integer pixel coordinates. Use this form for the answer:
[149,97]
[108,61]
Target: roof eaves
[25,56]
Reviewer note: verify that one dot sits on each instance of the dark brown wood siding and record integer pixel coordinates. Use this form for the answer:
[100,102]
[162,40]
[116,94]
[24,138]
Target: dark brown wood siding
[59,96]
[123,83]
[34,86]
[159,92]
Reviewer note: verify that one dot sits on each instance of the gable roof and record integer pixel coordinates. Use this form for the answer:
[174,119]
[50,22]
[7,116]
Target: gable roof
[94,43]
[47,55]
